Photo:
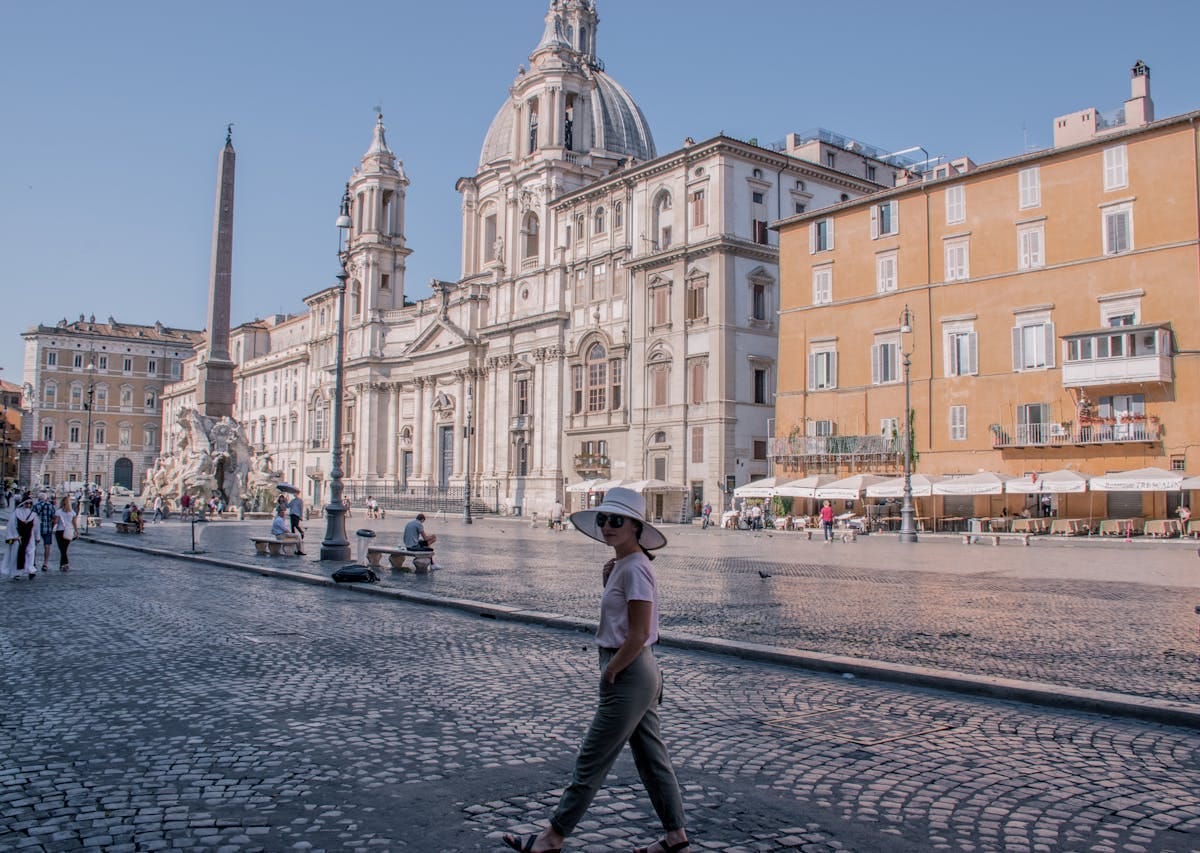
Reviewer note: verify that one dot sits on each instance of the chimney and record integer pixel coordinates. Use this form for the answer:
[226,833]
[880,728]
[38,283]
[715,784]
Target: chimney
[1139,109]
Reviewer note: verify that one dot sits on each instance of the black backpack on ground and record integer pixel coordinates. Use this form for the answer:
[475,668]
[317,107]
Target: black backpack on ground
[355,574]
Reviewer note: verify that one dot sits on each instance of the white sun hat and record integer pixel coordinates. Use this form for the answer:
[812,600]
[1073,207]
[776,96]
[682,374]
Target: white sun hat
[624,502]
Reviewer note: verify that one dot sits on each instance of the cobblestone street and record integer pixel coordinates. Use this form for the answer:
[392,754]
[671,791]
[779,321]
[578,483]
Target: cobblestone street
[152,703]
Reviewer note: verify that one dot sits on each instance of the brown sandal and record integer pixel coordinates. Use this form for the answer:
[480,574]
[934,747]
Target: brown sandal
[526,845]
[666,848]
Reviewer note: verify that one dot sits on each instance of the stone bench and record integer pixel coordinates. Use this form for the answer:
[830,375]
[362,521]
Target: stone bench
[127,527]
[276,547]
[422,560]
[996,537]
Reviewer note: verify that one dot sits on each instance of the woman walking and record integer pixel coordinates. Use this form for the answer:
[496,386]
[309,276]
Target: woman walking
[630,684]
[66,528]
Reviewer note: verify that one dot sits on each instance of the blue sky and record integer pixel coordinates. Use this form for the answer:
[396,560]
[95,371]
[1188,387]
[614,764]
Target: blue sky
[114,114]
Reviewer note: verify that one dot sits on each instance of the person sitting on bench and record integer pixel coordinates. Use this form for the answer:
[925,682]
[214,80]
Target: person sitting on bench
[279,525]
[415,538]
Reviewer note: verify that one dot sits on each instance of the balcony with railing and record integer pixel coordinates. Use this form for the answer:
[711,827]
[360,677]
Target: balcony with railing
[1123,429]
[592,465]
[831,453]
[1119,355]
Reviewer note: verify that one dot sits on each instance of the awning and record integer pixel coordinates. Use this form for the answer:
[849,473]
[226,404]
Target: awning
[806,487]
[985,483]
[1190,483]
[756,489]
[1052,482]
[848,489]
[922,487]
[1139,480]
[655,486]
[585,486]
[605,485]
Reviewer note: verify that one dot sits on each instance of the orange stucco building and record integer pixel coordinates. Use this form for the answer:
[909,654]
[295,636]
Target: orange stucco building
[1054,309]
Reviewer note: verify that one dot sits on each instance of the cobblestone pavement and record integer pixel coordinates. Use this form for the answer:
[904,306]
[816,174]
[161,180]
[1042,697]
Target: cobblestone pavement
[1086,614]
[152,704]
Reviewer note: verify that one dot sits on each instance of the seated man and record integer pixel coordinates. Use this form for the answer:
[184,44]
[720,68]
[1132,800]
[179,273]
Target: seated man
[415,538]
[279,525]
[127,514]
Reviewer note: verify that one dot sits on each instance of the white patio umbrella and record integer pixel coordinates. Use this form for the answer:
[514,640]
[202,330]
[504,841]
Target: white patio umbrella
[606,485]
[984,483]
[1139,480]
[805,487]
[1190,483]
[756,489]
[922,487]
[655,486]
[849,488]
[1052,482]
[585,486]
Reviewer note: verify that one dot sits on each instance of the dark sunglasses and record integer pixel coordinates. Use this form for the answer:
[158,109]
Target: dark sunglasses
[616,522]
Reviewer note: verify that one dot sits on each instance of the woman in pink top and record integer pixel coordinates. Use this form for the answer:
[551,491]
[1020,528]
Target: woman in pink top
[827,520]
[630,684]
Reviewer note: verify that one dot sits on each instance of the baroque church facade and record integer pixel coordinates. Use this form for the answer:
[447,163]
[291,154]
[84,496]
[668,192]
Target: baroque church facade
[615,318]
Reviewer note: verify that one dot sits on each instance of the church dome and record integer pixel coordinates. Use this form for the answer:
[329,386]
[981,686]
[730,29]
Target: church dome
[621,126]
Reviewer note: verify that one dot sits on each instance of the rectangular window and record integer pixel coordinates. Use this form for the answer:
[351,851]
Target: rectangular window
[831,159]
[102,362]
[820,236]
[77,360]
[697,444]
[890,428]
[885,363]
[823,286]
[697,299]
[956,204]
[658,377]
[151,367]
[762,235]
[757,198]
[884,221]
[127,365]
[580,287]
[576,390]
[758,302]
[597,386]
[759,449]
[1118,229]
[962,353]
[664,238]
[1031,187]
[73,434]
[1033,346]
[47,432]
[100,434]
[660,306]
[870,173]
[958,423]
[699,381]
[1033,420]
[599,282]
[1029,247]
[522,396]
[760,385]
[616,374]
[618,283]
[1116,171]
[958,260]
[51,358]
[698,208]
[385,280]
[885,272]
[822,370]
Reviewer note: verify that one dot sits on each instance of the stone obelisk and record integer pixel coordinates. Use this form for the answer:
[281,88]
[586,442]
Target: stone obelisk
[214,369]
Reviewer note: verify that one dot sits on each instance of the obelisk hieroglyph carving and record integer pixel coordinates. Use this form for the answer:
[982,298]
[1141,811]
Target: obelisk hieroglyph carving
[214,380]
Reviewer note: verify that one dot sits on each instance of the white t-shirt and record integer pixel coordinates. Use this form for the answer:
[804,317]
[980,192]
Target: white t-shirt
[63,518]
[632,579]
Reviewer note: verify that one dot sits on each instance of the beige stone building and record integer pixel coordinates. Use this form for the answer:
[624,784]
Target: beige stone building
[120,369]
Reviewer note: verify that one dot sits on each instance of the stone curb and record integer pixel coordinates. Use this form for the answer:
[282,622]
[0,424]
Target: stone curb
[1031,692]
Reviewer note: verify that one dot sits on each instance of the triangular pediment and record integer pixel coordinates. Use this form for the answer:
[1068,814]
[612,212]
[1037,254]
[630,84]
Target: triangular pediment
[441,334]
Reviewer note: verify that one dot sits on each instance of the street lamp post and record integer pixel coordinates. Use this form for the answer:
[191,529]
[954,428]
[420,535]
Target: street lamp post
[908,526]
[87,453]
[336,546]
[467,431]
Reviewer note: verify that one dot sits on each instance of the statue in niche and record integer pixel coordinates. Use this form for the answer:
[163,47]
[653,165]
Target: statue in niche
[498,249]
[569,133]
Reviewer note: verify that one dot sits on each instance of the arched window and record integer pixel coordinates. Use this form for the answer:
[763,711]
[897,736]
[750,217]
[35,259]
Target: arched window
[532,232]
[600,223]
[597,379]
[50,394]
[659,437]
[583,42]
[76,395]
[618,215]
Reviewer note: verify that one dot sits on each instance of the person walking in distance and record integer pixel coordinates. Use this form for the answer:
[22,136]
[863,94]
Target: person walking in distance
[707,516]
[827,520]
[44,508]
[21,538]
[295,513]
[630,681]
[66,528]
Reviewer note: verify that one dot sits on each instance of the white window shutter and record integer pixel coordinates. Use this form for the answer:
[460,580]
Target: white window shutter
[812,238]
[947,354]
[895,206]
[1016,352]
[812,371]
[874,221]
[830,246]
[1050,342]
[973,353]
[833,381]
[875,358]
